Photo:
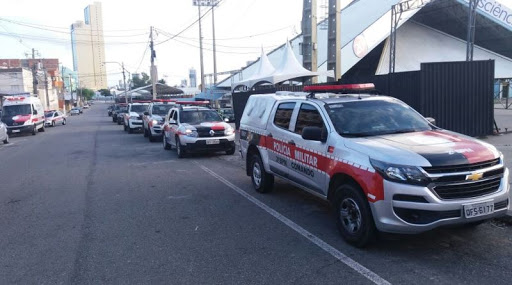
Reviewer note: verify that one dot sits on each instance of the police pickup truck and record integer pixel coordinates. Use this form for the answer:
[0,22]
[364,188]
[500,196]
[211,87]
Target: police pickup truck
[382,165]
[153,119]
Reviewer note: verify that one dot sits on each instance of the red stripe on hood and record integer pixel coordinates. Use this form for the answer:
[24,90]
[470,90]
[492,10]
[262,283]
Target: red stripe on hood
[22,118]
[472,150]
[218,127]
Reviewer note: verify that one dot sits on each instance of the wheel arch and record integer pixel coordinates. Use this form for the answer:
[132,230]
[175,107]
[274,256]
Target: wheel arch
[340,179]
[251,150]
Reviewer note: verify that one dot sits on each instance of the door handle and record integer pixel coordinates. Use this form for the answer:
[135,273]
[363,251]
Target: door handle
[291,142]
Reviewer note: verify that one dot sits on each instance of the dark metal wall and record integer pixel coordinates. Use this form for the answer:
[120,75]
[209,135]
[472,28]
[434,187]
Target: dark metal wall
[459,95]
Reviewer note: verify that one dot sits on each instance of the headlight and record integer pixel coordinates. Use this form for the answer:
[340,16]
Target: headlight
[191,133]
[400,173]
[154,122]
[229,131]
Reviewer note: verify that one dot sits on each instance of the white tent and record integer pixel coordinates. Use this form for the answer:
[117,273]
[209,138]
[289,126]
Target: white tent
[264,69]
[288,69]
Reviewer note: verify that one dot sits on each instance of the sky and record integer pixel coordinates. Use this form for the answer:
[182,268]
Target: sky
[242,28]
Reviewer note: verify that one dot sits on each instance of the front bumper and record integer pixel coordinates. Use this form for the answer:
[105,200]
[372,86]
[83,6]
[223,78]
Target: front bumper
[135,124]
[407,217]
[19,129]
[156,130]
[200,145]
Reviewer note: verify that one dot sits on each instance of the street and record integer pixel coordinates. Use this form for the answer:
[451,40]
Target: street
[90,203]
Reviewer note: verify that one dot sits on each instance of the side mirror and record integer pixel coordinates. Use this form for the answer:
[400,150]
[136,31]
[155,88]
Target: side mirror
[226,120]
[314,134]
[35,112]
[146,113]
[172,122]
[431,120]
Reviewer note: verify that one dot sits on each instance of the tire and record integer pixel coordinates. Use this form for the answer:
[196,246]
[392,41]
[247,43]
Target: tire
[6,141]
[262,181]
[179,149]
[53,124]
[119,123]
[42,129]
[145,132]
[353,216]
[113,120]
[152,138]
[166,145]
[64,122]
[125,128]
[130,130]
[231,151]
[34,130]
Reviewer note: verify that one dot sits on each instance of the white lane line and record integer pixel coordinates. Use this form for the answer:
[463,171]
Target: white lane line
[370,275]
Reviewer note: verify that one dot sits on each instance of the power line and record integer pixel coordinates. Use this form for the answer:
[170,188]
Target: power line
[66,41]
[63,28]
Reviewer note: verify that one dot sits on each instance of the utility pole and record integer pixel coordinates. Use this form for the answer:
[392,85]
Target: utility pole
[46,89]
[124,80]
[309,44]
[472,5]
[154,76]
[214,47]
[334,39]
[201,49]
[34,73]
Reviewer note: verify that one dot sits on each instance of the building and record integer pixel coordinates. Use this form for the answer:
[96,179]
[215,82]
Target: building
[88,47]
[20,81]
[192,77]
[432,31]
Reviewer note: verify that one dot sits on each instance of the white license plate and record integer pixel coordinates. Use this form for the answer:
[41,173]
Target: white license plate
[480,209]
[212,141]
[15,131]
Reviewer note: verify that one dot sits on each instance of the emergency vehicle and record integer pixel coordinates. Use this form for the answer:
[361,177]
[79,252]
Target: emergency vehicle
[54,117]
[190,127]
[23,114]
[133,118]
[153,118]
[382,165]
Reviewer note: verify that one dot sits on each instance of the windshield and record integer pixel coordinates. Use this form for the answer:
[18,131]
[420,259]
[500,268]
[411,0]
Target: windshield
[122,109]
[377,117]
[161,109]
[227,112]
[13,110]
[139,108]
[48,115]
[195,117]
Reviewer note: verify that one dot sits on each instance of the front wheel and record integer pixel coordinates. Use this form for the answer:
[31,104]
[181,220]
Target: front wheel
[145,131]
[230,151]
[179,148]
[42,129]
[353,216]
[6,141]
[262,181]
[166,145]
[34,130]
[64,122]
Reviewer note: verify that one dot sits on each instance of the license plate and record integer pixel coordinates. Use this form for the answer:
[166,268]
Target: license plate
[480,209]
[212,141]
[15,131]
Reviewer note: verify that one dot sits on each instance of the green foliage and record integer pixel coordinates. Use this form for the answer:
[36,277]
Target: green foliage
[85,93]
[141,81]
[105,92]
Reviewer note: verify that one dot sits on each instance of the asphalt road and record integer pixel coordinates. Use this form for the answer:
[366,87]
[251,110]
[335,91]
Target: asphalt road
[89,203]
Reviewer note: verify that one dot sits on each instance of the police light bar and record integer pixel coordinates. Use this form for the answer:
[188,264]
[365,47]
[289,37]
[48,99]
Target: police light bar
[339,88]
[193,102]
[164,100]
[15,98]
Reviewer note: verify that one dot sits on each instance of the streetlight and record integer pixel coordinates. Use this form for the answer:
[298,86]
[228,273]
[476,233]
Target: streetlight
[124,78]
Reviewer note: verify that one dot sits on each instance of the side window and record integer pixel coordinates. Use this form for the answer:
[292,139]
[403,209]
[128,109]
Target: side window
[308,117]
[175,116]
[171,114]
[284,115]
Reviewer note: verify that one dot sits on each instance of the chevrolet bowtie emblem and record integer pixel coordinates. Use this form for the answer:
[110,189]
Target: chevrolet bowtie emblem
[474,176]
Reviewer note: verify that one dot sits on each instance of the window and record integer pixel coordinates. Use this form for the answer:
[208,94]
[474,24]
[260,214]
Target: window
[171,114]
[308,117]
[284,115]
[175,116]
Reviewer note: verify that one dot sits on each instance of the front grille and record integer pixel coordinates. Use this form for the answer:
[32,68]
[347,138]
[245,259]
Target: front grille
[501,205]
[422,217]
[467,190]
[461,168]
[206,133]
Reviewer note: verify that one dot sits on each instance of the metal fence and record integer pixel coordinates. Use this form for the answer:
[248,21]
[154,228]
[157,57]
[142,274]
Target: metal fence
[459,95]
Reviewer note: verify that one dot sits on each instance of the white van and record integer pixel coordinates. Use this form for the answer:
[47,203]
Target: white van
[23,114]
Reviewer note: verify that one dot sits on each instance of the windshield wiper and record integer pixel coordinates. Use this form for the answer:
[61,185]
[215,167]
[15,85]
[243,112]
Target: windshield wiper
[403,131]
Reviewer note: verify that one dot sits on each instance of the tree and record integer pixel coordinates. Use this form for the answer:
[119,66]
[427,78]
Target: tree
[88,94]
[141,81]
[105,92]
[162,81]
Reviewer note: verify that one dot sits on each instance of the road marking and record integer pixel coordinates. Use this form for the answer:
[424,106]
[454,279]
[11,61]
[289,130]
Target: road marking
[370,275]
[151,163]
